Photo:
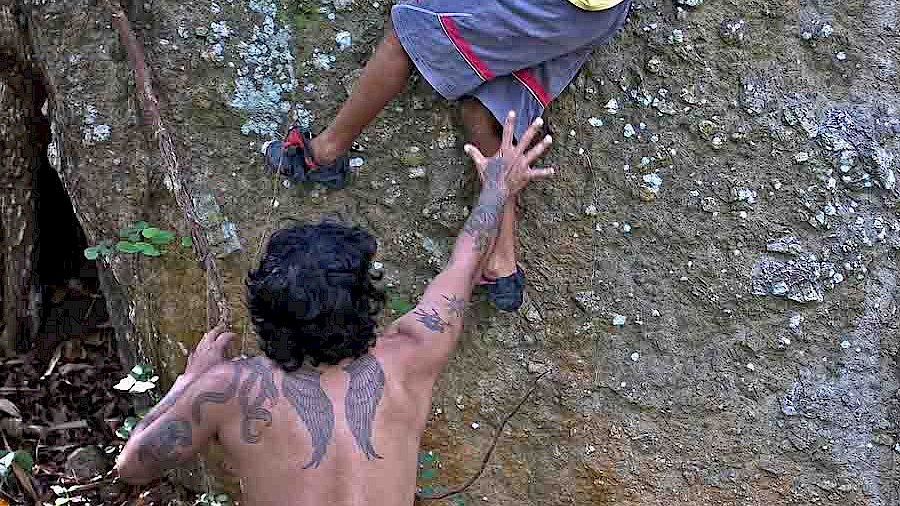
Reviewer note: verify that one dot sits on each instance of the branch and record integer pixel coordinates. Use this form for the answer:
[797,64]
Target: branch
[217,308]
[487,456]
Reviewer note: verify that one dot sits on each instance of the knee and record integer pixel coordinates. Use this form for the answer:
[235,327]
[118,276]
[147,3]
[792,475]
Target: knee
[391,43]
[472,111]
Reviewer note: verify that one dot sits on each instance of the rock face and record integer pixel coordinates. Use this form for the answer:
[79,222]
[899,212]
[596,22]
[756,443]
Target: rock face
[739,162]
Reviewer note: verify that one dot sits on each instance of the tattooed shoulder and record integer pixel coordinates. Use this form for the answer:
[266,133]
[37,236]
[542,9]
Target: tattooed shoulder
[252,383]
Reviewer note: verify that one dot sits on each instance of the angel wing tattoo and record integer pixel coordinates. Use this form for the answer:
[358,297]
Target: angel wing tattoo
[303,390]
[363,395]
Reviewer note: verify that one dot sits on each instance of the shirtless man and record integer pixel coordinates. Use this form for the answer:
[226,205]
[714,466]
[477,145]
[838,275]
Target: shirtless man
[331,415]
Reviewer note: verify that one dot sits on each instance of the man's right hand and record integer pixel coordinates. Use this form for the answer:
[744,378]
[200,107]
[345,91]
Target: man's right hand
[510,170]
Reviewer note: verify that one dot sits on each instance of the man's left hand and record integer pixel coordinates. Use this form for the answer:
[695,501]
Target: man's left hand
[210,351]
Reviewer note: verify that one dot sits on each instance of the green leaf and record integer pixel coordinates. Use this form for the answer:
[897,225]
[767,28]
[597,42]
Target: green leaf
[187,241]
[429,457]
[25,461]
[148,249]
[127,232]
[135,237]
[140,225]
[127,247]
[130,423]
[164,237]
[122,433]
[458,501]
[150,232]
[400,305]
[428,491]
[92,253]
[427,474]
[138,371]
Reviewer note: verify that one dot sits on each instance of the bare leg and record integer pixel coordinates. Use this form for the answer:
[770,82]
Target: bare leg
[384,77]
[482,131]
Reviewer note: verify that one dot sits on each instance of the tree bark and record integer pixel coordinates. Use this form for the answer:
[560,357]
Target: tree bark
[18,161]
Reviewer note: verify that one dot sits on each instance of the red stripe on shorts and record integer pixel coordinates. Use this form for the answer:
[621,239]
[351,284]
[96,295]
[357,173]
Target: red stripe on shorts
[465,49]
[534,86]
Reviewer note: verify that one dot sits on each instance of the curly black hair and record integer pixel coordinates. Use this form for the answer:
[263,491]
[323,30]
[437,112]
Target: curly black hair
[312,297]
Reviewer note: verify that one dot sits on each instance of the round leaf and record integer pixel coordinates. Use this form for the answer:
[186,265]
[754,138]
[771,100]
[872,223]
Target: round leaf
[127,247]
[187,242]
[164,237]
[92,253]
[150,232]
[149,249]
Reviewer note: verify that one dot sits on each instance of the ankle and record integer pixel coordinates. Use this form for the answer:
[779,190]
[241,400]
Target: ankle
[324,150]
[497,268]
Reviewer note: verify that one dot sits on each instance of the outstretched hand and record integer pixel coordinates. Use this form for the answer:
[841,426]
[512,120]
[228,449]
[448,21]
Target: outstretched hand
[510,169]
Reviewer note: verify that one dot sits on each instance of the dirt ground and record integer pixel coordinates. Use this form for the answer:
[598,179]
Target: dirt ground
[712,276]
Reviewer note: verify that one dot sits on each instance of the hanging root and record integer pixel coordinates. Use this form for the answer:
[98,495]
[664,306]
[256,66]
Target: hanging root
[217,309]
[487,456]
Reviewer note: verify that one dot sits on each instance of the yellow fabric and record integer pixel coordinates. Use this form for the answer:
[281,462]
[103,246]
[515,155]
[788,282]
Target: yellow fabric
[595,5]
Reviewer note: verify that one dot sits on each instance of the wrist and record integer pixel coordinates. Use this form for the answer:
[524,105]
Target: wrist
[183,379]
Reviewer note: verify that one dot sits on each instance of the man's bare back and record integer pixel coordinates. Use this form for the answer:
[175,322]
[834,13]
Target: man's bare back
[347,431]
[346,434]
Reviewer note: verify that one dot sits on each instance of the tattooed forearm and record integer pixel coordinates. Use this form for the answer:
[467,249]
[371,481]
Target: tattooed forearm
[163,445]
[303,389]
[432,321]
[363,395]
[484,222]
[455,305]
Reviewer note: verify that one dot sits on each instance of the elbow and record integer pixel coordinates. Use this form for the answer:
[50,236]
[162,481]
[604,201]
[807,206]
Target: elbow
[133,472]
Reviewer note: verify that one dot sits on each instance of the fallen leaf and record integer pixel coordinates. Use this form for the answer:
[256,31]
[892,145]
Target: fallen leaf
[125,383]
[53,361]
[6,406]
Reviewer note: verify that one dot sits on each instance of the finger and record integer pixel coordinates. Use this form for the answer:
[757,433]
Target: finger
[224,339]
[475,154]
[530,134]
[509,128]
[538,150]
[541,173]
[210,337]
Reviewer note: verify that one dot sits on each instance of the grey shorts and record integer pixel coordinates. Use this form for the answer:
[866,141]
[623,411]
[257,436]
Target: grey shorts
[509,54]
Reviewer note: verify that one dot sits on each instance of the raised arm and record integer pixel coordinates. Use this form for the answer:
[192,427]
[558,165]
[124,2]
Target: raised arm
[435,325]
[175,430]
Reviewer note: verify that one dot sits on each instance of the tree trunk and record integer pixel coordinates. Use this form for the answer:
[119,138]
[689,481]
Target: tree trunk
[19,156]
